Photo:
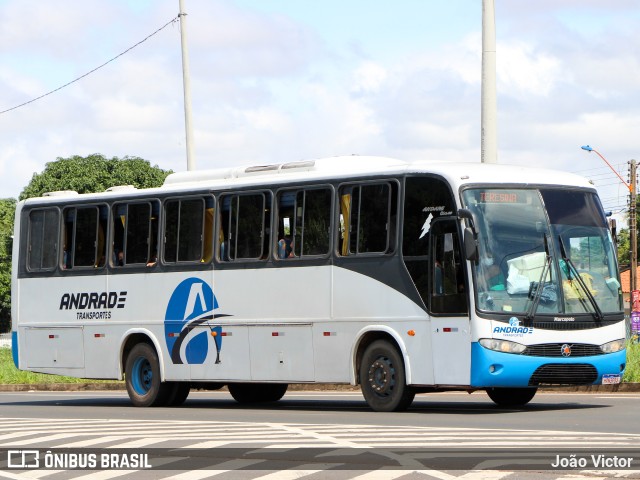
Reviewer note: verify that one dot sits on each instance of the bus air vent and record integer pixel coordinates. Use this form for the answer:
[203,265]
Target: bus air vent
[60,193]
[555,350]
[120,188]
[564,374]
[302,164]
[262,168]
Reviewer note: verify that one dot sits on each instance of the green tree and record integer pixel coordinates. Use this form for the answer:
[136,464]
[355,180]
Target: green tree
[94,173]
[7,211]
[624,247]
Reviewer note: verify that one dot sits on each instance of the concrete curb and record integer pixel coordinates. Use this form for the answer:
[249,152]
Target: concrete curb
[293,387]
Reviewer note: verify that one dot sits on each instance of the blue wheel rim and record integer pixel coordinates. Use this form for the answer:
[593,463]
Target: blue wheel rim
[142,376]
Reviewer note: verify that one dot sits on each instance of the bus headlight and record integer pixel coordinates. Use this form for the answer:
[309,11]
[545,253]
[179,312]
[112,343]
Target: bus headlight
[503,346]
[612,347]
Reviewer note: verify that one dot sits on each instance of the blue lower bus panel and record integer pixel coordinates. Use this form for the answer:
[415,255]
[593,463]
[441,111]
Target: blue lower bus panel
[496,369]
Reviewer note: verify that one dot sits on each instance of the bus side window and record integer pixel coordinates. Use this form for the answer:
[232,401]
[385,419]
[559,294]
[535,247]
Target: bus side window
[245,227]
[135,234]
[314,237]
[183,236]
[304,223]
[84,236]
[42,243]
[119,221]
[368,215]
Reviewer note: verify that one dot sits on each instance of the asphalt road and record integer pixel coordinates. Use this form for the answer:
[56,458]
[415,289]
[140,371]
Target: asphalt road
[609,412]
[330,420]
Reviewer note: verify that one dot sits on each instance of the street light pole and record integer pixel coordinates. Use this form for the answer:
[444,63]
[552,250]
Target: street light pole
[633,234]
[489,103]
[186,84]
[633,231]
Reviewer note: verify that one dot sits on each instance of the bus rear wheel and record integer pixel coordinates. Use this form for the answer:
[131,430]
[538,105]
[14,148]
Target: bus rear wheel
[142,377]
[257,392]
[511,397]
[178,394]
[382,378]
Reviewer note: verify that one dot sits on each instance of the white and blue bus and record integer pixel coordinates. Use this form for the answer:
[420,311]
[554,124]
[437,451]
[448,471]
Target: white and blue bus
[401,277]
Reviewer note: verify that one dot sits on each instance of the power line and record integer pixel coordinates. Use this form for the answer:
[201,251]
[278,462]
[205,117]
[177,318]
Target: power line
[173,20]
[581,171]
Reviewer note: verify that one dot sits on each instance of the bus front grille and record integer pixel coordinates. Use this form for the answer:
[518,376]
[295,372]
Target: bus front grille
[564,374]
[556,349]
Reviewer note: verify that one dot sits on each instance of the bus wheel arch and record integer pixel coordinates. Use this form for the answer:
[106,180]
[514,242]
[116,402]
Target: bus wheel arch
[130,340]
[381,371]
[141,362]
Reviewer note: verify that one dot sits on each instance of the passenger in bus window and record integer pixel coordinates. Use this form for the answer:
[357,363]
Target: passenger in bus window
[118,258]
[495,279]
[285,248]
[66,260]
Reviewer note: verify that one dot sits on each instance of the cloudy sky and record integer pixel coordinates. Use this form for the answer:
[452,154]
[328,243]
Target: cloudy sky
[284,80]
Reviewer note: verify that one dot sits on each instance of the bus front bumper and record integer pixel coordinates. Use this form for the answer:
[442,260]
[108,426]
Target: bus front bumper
[496,369]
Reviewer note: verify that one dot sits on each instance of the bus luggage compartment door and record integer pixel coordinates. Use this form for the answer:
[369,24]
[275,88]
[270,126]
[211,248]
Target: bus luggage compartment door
[281,352]
[54,347]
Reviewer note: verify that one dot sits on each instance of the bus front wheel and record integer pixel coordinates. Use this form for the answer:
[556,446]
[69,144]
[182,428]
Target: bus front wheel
[382,378]
[511,397]
[142,377]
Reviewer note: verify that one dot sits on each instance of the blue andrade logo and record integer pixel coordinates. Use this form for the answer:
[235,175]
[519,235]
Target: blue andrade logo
[514,329]
[191,305]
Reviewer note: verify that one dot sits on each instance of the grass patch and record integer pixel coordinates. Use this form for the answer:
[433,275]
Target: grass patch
[9,374]
[632,373]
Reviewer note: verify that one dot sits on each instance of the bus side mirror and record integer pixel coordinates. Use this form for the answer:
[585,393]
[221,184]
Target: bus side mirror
[470,244]
[470,237]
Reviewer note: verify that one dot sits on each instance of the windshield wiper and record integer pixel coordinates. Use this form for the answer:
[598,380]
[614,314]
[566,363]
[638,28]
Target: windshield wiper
[596,308]
[535,300]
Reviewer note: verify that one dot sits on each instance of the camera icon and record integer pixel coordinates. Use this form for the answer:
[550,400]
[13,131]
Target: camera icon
[23,459]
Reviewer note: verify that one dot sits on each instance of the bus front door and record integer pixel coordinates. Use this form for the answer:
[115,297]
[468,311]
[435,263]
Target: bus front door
[448,304]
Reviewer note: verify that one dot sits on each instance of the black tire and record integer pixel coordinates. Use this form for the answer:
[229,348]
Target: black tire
[511,397]
[179,393]
[257,392]
[382,378]
[142,377]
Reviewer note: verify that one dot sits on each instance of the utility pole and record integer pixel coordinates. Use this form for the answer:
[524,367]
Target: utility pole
[489,103]
[633,233]
[186,83]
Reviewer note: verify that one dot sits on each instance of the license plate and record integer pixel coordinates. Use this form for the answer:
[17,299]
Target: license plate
[610,379]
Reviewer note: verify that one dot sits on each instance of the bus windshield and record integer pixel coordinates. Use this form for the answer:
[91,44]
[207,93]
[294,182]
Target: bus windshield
[543,251]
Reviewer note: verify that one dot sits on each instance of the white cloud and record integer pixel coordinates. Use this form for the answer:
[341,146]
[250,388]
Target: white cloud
[522,70]
[269,87]
[368,78]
